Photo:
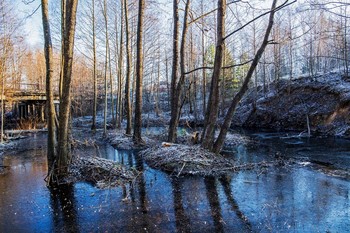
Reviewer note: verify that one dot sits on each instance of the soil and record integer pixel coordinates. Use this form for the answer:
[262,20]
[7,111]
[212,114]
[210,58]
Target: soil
[320,103]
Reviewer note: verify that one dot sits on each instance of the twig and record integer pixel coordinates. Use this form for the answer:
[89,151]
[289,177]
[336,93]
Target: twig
[181,169]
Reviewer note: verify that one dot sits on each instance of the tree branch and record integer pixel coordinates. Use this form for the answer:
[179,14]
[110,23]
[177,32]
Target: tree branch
[285,4]
[210,67]
[208,13]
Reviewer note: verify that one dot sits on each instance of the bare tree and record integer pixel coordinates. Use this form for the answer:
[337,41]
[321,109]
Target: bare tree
[213,102]
[94,108]
[178,91]
[228,118]
[139,76]
[120,68]
[128,71]
[63,149]
[175,61]
[51,137]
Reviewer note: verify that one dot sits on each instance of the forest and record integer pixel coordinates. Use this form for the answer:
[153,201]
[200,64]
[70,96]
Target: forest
[210,98]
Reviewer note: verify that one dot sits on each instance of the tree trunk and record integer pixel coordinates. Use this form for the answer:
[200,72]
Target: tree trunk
[2,106]
[139,76]
[120,69]
[213,102]
[63,20]
[106,68]
[237,98]
[63,140]
[94,108]
[204,79]
[51,137]
[128,71]
[178,91]
[172,132]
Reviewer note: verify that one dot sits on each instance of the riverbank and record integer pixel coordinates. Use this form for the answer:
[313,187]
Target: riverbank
[317,105]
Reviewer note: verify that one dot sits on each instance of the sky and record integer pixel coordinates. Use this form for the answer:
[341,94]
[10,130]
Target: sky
[32,22]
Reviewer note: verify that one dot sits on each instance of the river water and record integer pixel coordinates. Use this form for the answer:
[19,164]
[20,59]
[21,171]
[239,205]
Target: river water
[311,195]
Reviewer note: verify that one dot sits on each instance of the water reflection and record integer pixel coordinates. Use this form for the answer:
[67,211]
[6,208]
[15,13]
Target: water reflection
[63,204]
[290,199]
[226,184]
[181,219]
[214,203]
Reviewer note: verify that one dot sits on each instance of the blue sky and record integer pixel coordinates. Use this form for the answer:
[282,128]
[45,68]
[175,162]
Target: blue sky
[33,23]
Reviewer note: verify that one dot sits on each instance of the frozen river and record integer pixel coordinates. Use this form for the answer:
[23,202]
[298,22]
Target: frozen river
[311,195]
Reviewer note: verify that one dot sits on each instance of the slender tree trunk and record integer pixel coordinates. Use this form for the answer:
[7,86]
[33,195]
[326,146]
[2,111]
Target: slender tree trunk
[120,67]
[178,92]
[63,132]
[119,111]
[223,85]
[2,75]
[204,79]
[51,137]
[63,19]
[128,71]
[2,105]
[156,100]
[94,108]
[139,75]
[213,103]
[172,132]
[111,82]
[167,80]
[237,98]
[105,74]
[346,47]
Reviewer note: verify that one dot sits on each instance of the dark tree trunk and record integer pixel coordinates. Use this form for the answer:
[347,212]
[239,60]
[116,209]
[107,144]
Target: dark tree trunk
[178,91]
[94,108]
[237,98]
[64,151]
[139,76]
[51,137]
[120,70]
[172,127]
[213,102]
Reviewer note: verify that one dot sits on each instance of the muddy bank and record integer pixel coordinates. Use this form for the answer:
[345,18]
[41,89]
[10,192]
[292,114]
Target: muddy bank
[321,104]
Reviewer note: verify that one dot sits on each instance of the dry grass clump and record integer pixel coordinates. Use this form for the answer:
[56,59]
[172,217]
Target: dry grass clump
[194,160]
[120,140]
[102,172]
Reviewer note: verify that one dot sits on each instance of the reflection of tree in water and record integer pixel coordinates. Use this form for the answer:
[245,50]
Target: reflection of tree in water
[64,209]
[213,198]
[225,182]
[141,184]
[181,219]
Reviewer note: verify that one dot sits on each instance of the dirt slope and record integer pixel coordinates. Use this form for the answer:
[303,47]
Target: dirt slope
[324,101]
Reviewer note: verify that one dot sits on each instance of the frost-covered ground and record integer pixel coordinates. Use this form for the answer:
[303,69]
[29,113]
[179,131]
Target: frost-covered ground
[320,103]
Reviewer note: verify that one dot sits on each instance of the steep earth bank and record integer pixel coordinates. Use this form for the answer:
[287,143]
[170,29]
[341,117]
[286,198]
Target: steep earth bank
[321,104]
